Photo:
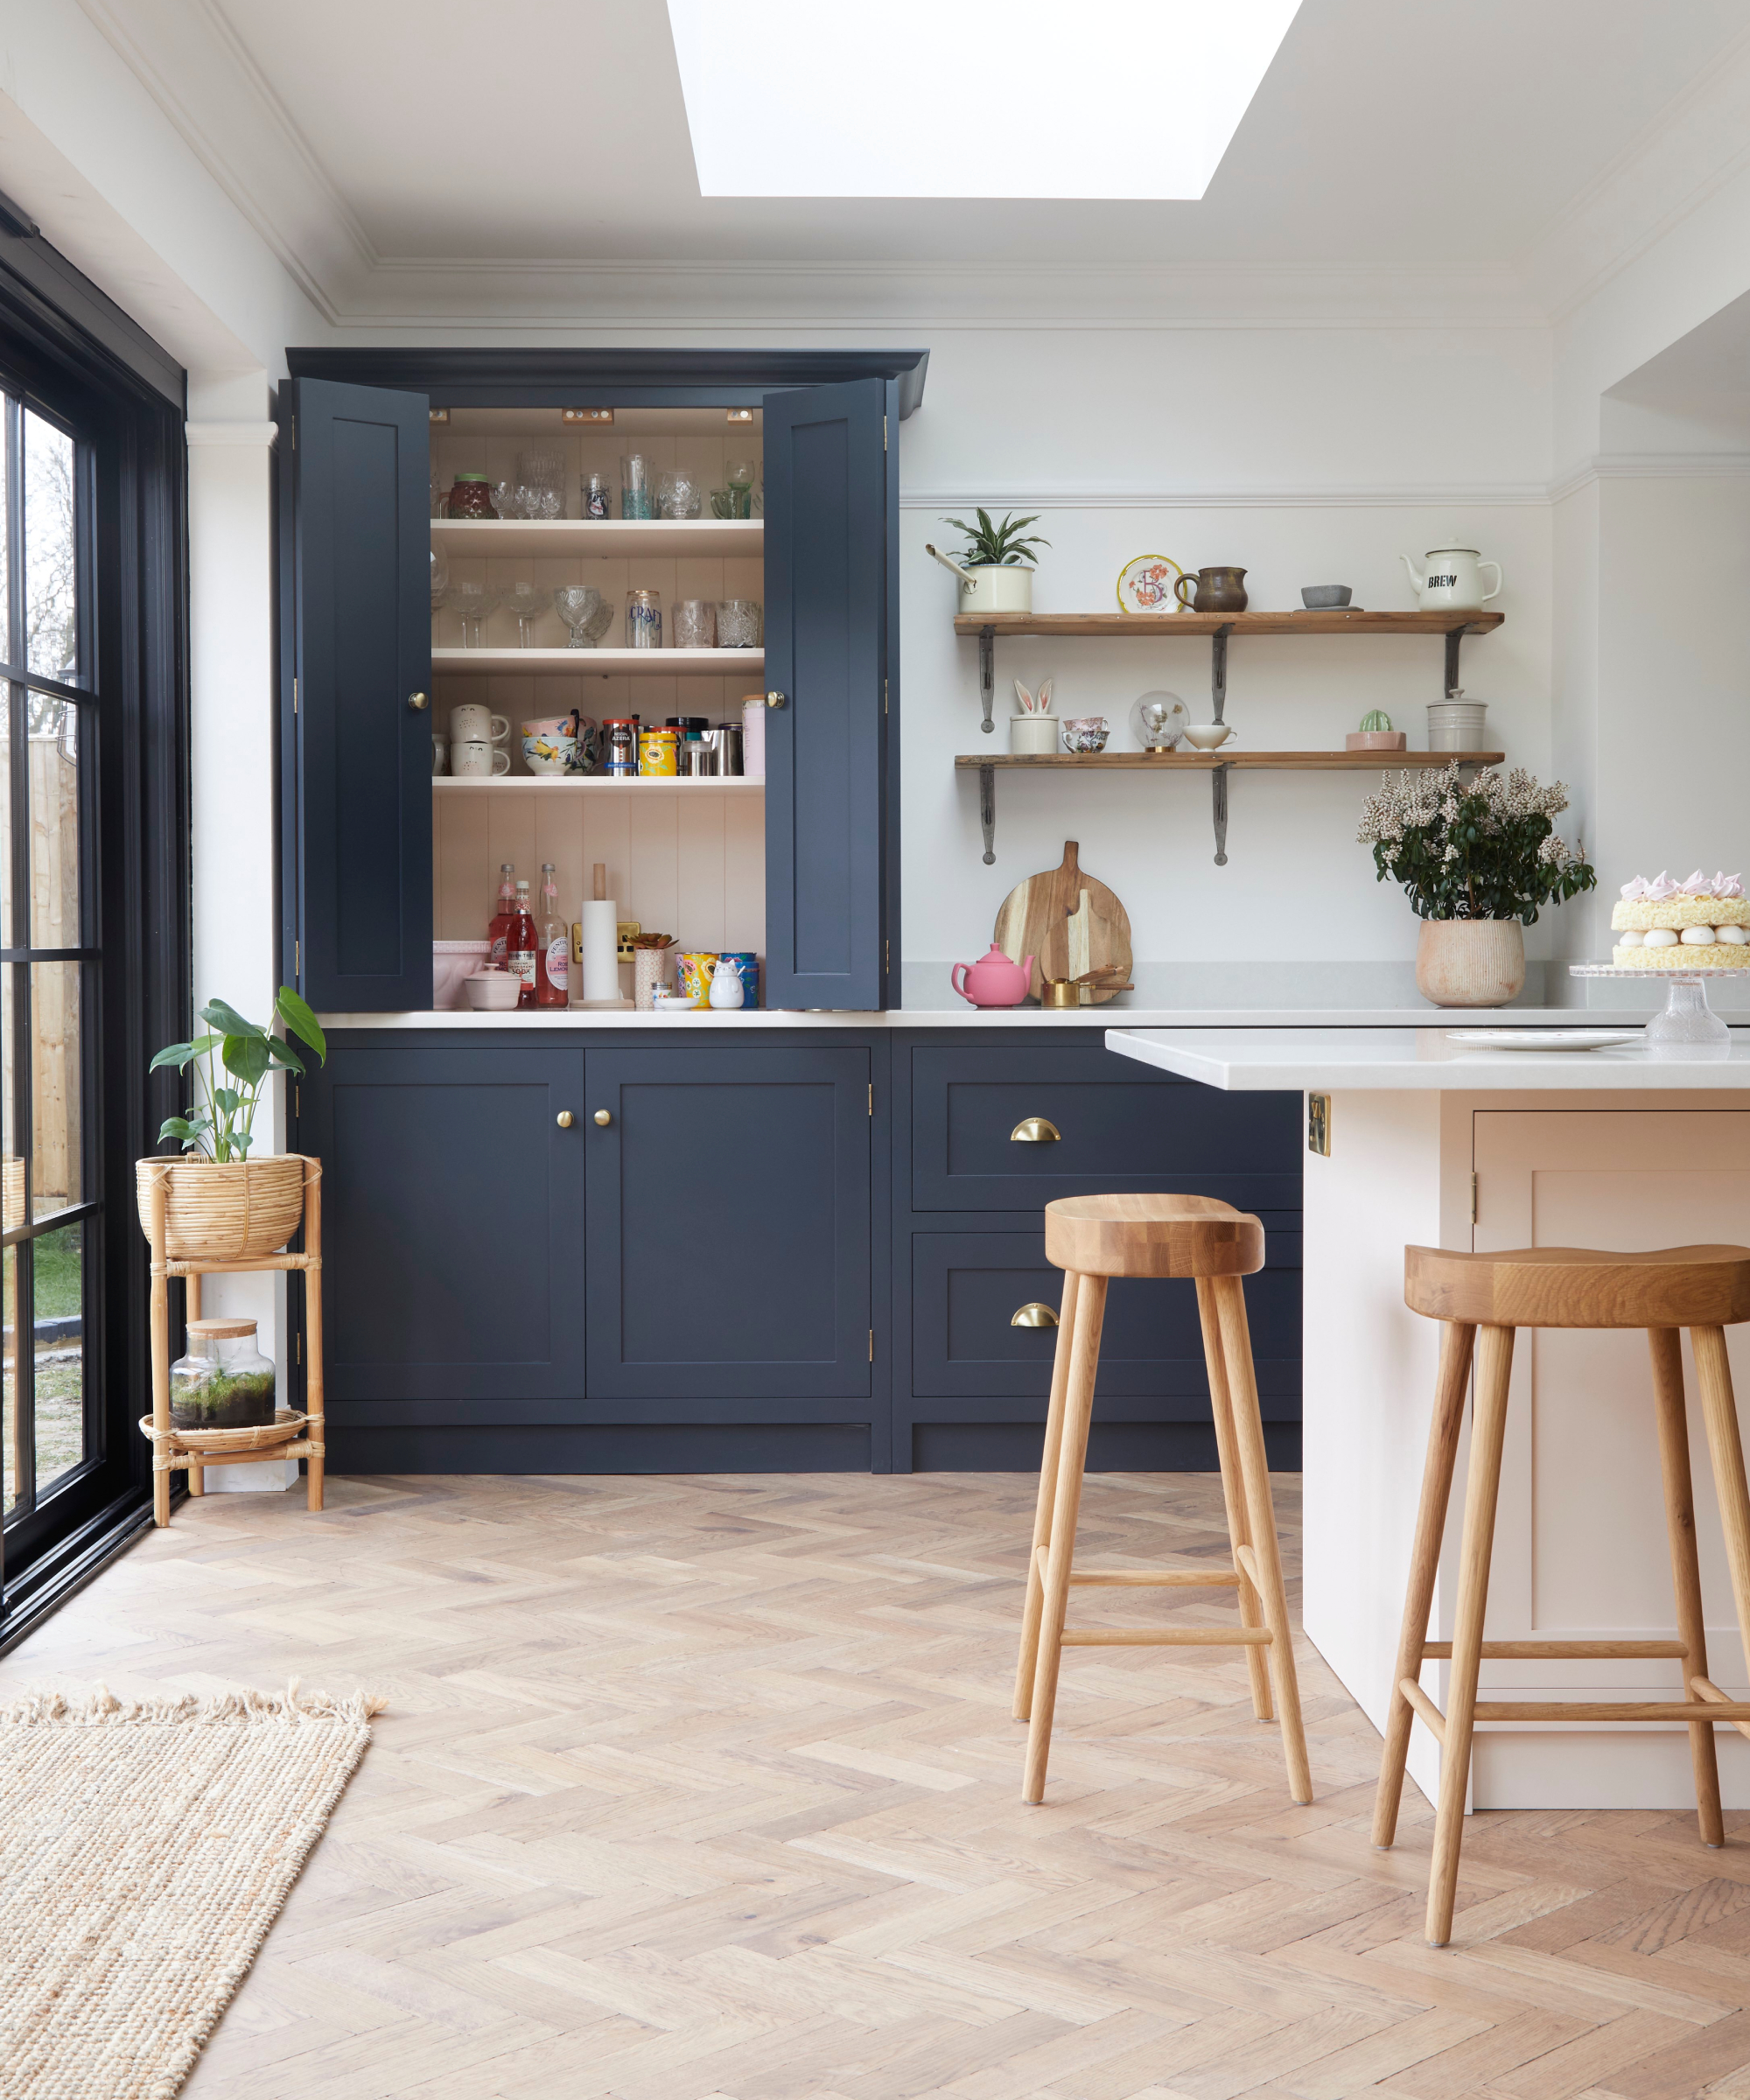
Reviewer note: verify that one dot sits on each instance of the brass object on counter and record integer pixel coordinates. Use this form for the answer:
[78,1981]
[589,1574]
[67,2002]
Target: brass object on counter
[1034,1315]
[1034,1129]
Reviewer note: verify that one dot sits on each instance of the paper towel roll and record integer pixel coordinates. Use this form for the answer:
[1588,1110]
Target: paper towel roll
[599,941]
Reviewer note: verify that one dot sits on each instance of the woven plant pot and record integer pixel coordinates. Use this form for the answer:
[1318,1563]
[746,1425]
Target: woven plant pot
[232,1213]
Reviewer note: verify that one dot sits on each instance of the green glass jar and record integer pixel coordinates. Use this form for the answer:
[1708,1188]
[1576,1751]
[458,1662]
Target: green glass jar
[224,1382]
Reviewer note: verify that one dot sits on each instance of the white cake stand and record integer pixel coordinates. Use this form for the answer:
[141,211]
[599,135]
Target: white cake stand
[1688,1017]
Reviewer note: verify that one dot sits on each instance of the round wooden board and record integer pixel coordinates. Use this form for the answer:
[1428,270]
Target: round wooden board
[1035,918]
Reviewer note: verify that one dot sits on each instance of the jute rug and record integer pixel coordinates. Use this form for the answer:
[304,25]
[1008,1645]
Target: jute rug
[144,1852]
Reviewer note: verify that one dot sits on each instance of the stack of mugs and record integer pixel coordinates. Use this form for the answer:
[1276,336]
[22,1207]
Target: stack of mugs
[473,752]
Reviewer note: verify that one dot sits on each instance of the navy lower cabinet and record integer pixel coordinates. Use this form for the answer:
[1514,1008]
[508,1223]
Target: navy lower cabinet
[995,1125]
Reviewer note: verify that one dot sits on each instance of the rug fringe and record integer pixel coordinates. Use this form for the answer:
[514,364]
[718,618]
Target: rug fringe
[246,1704]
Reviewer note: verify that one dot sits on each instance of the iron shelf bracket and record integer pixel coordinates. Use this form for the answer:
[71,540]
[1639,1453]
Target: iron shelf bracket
[1218,797]
[987,680]
[1218,671]
[1455,636]
[987,811]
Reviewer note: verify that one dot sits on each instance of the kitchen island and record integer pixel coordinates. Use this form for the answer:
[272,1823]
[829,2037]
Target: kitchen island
[1433,1142]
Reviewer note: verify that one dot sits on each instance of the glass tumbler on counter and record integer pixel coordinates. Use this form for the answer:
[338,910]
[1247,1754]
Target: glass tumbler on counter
[738,623]
[678,494]
[694,623]
[644,619]
[637,498]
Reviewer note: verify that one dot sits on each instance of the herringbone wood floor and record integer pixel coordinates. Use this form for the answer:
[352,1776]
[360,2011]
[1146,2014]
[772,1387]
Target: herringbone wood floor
[707,1787]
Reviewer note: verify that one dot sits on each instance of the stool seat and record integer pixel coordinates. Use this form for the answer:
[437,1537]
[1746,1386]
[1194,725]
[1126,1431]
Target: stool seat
[1580,1287]
[1163,1235]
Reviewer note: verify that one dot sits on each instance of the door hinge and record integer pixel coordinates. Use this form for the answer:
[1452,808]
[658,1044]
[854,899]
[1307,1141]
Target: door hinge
[298,957]
[298,1349]
[294,433]
[883,696]
[871,1345]
[294,696]
[872,1098]
[1474,1199]
[884,433]
[297,1100]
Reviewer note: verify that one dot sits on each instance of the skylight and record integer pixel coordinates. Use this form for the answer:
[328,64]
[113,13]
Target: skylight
[1132,99]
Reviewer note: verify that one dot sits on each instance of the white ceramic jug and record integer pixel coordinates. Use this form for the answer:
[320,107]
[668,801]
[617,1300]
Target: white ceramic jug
[1453,581]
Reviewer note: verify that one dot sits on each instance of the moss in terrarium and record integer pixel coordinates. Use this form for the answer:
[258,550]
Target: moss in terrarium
[224,1400]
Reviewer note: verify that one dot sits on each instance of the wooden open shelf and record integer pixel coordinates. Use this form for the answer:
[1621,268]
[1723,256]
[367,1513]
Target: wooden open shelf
[603,663]
[535,539]
[1259,762]
[1169,626]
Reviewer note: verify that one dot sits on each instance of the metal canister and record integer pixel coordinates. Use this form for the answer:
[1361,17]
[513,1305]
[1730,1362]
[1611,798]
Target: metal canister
[656,754]
[725,739]
[697,761]
[620,733]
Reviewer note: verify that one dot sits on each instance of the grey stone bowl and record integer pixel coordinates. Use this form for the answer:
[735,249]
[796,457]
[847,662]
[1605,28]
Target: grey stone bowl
[1325,597]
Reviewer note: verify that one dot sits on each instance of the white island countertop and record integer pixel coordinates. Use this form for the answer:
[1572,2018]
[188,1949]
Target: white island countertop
[1237,1021]
[1423,1059]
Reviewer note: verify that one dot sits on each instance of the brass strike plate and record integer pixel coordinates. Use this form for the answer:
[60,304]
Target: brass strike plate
[1318,1124]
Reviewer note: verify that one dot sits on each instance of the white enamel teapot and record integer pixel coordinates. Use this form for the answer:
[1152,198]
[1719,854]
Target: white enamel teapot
[1453,581]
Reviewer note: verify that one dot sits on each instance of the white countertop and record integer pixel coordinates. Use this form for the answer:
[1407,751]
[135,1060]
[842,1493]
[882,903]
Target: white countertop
[1237,1020]
[1329,1060]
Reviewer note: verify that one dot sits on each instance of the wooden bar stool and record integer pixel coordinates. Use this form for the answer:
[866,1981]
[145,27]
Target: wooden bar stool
[1093,1239]
[1704,1289]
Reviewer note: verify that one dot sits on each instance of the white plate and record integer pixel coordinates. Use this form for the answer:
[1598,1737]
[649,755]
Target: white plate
[1543,1039]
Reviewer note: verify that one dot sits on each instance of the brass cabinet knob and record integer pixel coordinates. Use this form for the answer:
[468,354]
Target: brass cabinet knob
[1034,1129]
[1034,1315]
[418,703]
[603,1117]
[564,1119]
[775,699]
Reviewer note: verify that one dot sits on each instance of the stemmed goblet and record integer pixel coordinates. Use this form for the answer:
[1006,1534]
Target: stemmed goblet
[476,603]
[529,602]
[586,612]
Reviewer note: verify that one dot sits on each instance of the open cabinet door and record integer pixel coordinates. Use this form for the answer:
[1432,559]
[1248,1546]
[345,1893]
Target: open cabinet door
[826,623]
[355,777]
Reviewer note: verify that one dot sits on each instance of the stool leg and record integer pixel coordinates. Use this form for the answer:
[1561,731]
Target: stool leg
[1666,1345]
[1488,1433]
[1233,1489]
[1719,1412]
[1456,1338]
[1078,1410]
[1236,1351]
[1047,1493]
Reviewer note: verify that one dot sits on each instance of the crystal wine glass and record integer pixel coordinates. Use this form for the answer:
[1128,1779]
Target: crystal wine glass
[528,601]
[586,612]
[476,603]
[440,579]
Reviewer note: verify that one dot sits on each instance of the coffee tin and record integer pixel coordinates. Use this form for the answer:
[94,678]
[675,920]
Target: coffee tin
[656,750]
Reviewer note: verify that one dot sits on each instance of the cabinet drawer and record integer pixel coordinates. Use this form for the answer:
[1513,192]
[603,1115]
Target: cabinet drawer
[967,1285]
[1119,1131]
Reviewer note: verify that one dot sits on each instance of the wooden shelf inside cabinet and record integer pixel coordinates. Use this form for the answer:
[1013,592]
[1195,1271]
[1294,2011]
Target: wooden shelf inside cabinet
[1217,764]
[503,539]
[604,663]
[521,783]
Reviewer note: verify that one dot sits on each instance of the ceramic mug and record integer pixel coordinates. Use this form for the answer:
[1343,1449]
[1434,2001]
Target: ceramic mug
[440,757]
[476,725]
[1208,736]
[478,761]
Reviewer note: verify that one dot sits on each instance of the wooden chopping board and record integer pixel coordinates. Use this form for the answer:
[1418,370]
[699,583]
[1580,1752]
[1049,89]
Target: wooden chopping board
[1068,922]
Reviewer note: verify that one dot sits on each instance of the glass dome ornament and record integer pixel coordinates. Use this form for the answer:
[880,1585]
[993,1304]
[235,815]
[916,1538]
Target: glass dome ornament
[1158,721]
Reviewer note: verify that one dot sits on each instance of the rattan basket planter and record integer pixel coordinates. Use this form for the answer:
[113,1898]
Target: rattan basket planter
[237,1212]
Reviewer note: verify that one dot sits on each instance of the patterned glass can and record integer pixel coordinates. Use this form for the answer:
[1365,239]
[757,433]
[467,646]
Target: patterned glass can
[656,754]
[644,619]
[747,968]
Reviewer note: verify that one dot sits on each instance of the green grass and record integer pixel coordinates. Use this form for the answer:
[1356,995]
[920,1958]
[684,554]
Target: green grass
[59,1264]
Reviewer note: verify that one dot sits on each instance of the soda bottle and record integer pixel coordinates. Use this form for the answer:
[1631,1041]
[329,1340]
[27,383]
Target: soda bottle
[499,932]
[520,948]
[553,961]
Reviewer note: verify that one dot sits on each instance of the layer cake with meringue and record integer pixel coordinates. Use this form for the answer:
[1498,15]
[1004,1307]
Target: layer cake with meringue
[1700,924]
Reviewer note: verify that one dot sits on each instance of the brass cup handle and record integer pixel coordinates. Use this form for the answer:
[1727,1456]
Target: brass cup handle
[775,699]
[1035,1130]
[603,1117]
[564,1119]
[418,703]
[1034,1315]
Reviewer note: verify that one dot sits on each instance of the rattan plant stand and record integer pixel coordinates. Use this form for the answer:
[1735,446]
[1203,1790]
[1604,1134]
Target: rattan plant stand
[170,1453]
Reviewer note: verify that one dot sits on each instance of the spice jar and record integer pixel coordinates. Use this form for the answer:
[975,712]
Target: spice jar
[644,619]
[621,733]
[471,497]
[224,1382]
[656,750]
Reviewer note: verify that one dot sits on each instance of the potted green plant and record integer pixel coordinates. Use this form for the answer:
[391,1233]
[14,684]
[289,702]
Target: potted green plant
[995,567]
[221,1204]
[1376,733]
[1478,859]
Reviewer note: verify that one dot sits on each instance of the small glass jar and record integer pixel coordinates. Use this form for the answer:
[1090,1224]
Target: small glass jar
[738,623]
[224,1382]
[644,619]
[471,497]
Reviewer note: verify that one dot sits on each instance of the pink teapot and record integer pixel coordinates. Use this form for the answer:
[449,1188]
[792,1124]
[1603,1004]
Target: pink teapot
[993,980]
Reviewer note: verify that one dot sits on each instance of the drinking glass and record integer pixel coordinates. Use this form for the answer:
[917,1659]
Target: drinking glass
[440,579]
[542,472]
[504,500]
[678,494]
[529,602]
[644,619]
[440,495]
[597,491]
[694,624]
[586,612]
[738,623]
[723,502]
[476,603]
[635,490]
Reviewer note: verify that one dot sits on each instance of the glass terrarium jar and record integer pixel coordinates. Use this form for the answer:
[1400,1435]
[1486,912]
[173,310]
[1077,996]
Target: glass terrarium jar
[224,1382]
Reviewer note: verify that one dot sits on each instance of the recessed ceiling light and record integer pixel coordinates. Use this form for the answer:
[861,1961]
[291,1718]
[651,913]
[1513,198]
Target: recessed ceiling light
[1108,99]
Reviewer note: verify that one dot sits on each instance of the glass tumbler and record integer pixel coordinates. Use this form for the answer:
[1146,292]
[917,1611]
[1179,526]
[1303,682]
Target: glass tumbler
[694,623]
[597,491]
[637,493]
[738,623]
[644,619]
[678,494]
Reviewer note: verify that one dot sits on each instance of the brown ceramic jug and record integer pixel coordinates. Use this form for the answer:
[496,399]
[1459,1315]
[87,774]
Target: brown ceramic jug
[1218,590]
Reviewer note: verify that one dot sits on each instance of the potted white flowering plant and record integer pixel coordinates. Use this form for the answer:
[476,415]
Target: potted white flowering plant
[1478,859]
